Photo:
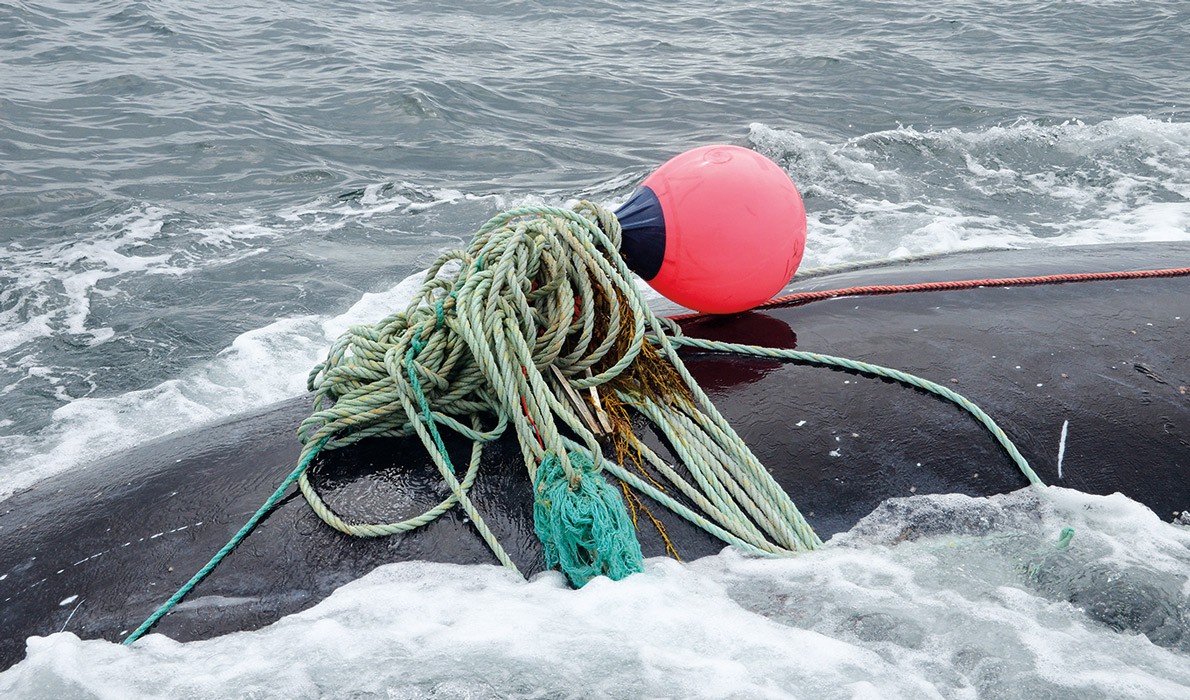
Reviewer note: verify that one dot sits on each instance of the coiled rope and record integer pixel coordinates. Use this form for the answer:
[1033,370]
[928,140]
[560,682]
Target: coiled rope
[541,306]
[543,287]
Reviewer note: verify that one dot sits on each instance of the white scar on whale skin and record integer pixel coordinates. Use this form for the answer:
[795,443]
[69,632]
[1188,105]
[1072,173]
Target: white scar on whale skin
[72,612]
[1062,446]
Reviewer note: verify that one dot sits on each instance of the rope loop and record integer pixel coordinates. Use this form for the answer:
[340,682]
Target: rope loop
[538,308]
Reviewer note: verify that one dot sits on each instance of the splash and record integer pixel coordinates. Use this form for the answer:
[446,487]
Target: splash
[930,596]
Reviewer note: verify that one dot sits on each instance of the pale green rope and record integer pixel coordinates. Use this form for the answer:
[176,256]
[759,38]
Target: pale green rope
[480,338]
[878,371]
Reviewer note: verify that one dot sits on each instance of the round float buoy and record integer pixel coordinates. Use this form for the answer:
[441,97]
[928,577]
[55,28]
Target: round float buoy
[717,229]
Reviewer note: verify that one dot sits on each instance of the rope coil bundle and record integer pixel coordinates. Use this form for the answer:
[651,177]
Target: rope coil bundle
[538,288]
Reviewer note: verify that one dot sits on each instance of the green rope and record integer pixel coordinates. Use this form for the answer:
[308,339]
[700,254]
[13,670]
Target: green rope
[878,371]
[308,455]
[541,290]
[586,531]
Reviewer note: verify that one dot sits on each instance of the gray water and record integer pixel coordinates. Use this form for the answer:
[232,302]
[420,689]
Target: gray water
[196,198]
[172,177]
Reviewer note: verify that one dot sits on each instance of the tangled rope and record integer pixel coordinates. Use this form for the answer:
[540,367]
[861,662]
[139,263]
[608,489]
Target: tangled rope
[539,308]
[542,288]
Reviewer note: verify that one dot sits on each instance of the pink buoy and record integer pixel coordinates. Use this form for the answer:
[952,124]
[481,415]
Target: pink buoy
[717,229]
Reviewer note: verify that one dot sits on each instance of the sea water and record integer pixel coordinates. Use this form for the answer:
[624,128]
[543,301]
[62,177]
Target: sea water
[195,200]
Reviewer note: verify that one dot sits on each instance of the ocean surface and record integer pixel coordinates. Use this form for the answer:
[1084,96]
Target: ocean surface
[196,198]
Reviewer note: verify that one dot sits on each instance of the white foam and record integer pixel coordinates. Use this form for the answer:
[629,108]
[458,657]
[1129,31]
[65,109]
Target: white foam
[383,198]
[74,267]
[1158,221]
[53,286]
[910,192]
[374,306]
[968,611]
[260,367]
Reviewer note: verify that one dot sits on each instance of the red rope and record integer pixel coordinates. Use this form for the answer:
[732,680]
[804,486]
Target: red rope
[873,290]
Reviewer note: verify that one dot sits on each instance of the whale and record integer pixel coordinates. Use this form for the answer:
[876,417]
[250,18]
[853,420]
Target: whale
[1090,379]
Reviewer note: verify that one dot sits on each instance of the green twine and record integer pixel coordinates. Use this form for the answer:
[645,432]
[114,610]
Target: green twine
[585,528]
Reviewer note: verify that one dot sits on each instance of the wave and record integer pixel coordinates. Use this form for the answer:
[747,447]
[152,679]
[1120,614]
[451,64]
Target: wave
[1028,184]
[885,194]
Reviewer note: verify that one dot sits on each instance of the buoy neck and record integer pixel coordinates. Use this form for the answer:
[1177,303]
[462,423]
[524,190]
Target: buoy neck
[642,223]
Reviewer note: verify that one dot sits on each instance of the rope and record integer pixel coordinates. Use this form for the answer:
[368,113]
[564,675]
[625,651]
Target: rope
[877,371]
[541,306]
[542,288]
[307,456]
[876,290]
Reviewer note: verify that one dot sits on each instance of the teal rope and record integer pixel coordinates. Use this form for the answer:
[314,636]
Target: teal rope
[446,468]
[310,453]
[427,415]
[584,531]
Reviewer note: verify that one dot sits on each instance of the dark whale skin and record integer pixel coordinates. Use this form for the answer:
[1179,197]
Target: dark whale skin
[99,548]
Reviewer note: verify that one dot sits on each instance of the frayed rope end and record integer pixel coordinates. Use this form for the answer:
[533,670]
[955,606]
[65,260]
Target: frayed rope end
[586,531]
